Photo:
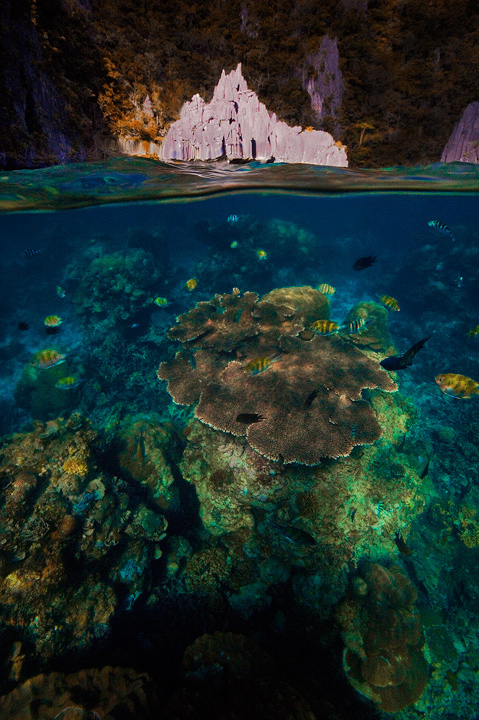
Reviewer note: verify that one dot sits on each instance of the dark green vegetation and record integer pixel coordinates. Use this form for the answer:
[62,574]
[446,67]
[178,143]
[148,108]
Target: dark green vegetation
[409,70]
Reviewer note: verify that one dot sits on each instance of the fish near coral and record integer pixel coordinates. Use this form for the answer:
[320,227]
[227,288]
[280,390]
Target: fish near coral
[190,284]
[457,386]
[401,362]
[259,364]
[425,470]
[326,289]
[140,450]
[441,227]
[401,545]
[324,327]
[364,262]
[68,383]
[249,418]
[473,332]
[160,301]
[47,358]
[52,321]
[311,398]
[390,302]
[262,254]
[356,325]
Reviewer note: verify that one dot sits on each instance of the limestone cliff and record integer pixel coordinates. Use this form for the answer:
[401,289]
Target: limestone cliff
[388,79]
[463,145]
[237,126]
[39,122]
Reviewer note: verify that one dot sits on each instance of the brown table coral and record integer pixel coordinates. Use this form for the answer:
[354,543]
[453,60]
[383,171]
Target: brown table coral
[384,638]
[304,406]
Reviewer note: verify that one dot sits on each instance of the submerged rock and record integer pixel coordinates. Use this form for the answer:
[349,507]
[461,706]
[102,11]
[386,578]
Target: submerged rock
[236,125]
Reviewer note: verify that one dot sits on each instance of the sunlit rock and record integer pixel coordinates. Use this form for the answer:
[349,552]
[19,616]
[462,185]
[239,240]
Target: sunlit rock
[463,145]
[236,125]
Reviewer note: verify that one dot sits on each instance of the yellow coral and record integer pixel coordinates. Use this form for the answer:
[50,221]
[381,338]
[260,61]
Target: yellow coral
[75,466]
[470,535]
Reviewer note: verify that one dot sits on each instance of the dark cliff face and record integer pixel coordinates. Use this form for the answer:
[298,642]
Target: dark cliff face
[43,116]
[77,71]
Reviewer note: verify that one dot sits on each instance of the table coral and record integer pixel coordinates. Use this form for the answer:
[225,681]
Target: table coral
[273,517]
[383,659]
[309,401]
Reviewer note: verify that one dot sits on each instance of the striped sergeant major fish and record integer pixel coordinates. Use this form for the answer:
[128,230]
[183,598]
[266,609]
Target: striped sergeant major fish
[356,325]
[441,227]
[32,252]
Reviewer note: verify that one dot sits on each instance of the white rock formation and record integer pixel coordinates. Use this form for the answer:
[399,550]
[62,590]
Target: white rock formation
[236,125]
[463,145]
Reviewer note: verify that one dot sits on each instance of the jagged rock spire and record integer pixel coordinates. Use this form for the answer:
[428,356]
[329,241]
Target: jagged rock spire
[236,125]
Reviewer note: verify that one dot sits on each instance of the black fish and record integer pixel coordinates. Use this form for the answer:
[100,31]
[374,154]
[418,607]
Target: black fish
[23,325]
[401,545]
[401,362]
[32,252]
[426,470]
[364,262]
[310,399]
[293,534]
[249,418]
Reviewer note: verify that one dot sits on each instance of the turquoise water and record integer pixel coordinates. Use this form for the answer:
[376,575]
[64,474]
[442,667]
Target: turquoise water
[299,529]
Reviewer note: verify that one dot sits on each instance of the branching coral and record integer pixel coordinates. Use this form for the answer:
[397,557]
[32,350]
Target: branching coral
[59,514]
[307,405]
[384,638]
[115,286]
[111,691]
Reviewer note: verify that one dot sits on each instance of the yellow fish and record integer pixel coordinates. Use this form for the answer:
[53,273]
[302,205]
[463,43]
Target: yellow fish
[473,332]
[259,364]
[234,244]
[326,289]
[262,254]
[390,303]
[160,301]
[191,284]
[67,383]
[458,386]
[324,327]
[47,358]
[52,321]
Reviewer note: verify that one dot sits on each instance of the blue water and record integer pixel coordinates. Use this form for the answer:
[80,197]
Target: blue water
[163,552]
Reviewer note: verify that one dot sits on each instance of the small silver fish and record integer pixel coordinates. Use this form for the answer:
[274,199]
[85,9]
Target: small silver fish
[232,219]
